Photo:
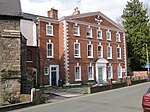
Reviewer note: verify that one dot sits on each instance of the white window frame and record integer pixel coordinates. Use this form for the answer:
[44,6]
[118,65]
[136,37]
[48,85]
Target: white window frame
[111,72]
[91,50]
[119,53]
[47,30]
[109,57]
[77,55]
[108,37]
[79,74]
[89,30]
[99,37]
[101,52]
[76,28]
[46,69]
[50,50]
[119,71]
[118,37]
[90,73]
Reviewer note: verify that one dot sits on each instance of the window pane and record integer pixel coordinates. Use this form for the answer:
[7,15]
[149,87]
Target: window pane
[89,32]
[76,51]
[89,50]
[77,73]
[45,71]
[99,34]
[99,51]
[49,29]
[108,35]
[76,29]
[90,74]
[49,49]
[109,72]
[118,53]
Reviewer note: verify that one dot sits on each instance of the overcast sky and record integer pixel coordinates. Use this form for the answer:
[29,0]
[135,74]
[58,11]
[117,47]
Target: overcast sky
[111,8]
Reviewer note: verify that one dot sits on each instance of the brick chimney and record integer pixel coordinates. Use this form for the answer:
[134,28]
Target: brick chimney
[53,13]
[76,11]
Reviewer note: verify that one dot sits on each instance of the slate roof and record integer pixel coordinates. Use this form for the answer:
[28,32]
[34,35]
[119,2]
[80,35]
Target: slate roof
[10,8]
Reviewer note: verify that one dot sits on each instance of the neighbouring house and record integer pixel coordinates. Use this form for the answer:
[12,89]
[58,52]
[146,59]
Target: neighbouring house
[81,48]
[12,48]
[28,26]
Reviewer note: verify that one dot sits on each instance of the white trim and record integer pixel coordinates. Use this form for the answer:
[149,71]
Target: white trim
[118,39]
[79,55]
[101,37]
[52,56]
[90,31]
[111,71]
[47,70]
[66,51]
[109,39]
[79,73]
[78,30]
[110,52]
[104,72]
[119,52]
[119,67]
[49,25]
[92,72]
[91,51]
[101,51]
[125,54]
[57,74]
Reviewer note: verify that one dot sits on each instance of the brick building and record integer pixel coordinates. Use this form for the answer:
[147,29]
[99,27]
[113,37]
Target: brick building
[80,48]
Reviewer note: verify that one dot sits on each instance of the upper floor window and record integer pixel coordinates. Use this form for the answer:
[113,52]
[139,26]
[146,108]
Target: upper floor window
[100,51]
[90,73]
[49,29]
[46,71]
[50,51]
[90,50]
[109,52]
[99,34]
[118,53]
[77,50]
[89,32]
[76,30]
[110,72]
[77,73]
[119,71]
[118,37]
[108,35]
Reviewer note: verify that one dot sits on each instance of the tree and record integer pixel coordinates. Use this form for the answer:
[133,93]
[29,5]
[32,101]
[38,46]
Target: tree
[135,22]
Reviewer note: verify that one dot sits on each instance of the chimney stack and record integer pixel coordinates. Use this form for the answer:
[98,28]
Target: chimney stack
[76,11]
[53,13]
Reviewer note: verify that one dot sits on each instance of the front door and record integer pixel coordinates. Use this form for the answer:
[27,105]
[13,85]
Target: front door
[100,75]
[54,71]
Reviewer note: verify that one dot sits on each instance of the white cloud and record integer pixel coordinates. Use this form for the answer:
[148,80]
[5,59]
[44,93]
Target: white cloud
[111,8]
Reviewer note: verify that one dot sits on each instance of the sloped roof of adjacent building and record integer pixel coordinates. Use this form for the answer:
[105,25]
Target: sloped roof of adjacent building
[10,8]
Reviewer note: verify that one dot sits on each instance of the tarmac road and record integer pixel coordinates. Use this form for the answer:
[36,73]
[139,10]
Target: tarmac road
[127,99]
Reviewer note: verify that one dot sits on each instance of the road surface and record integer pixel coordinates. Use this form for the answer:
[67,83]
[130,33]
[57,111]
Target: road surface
[127,99]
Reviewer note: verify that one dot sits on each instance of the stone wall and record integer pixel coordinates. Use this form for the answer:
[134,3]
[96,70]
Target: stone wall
[10,56]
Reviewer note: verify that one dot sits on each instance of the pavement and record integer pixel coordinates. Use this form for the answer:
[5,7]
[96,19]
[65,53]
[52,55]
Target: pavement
[60,93]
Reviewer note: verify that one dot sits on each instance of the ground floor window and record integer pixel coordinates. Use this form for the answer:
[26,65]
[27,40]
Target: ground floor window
[77,73]
[119,71]
[90,73]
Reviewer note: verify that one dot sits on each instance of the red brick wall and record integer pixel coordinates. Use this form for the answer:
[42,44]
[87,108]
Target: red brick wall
[43,39]
[84,62]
